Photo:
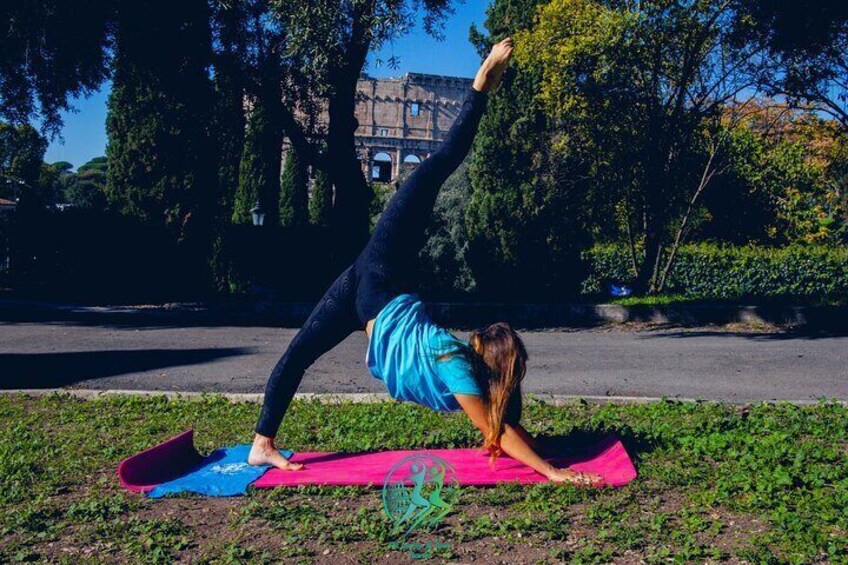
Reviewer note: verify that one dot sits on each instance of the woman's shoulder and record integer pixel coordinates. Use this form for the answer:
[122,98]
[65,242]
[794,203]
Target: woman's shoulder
[443,340]
[457,372]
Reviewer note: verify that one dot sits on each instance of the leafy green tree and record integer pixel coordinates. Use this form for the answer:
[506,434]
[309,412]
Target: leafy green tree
[331,40]
[63,167]
[87,187]
[521,221]
[53,51]
[294,190]
[51,183]
[784,183]
[443,259]
[161,154]
[98,164]
[807,42]
[257,38]
[741,207]
[638,92]
[21,166]
[22,151]
[322,199]
[382,192]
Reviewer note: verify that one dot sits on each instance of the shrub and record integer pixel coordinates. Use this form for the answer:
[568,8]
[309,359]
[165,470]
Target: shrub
[294,196]
[710,271]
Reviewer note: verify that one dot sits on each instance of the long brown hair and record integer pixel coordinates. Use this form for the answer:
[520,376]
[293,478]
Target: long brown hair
[501,362]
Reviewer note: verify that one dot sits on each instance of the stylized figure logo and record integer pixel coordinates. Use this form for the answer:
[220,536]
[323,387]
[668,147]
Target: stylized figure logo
[418,492]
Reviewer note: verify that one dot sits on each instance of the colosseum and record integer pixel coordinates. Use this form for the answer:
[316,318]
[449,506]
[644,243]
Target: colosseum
[403,119]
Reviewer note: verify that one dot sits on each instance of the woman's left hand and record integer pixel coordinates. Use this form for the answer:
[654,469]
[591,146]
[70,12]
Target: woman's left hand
[577,478]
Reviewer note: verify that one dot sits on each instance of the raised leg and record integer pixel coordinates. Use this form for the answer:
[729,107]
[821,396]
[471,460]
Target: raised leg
[400,231]
[402,224]
[387,263]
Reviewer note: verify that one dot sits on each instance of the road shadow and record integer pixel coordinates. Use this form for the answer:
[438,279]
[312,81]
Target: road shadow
[146,319]
[54,370]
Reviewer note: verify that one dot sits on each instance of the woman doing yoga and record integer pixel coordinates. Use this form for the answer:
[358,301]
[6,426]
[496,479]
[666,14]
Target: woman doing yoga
[417,360]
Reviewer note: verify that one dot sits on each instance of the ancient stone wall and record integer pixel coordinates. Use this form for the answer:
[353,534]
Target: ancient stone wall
[403,119]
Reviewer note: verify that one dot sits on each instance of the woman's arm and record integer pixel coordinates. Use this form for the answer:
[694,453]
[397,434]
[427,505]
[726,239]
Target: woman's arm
[516,442]
[513,441]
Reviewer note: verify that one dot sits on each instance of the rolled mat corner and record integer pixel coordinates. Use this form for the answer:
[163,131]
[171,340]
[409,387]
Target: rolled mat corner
[160,463]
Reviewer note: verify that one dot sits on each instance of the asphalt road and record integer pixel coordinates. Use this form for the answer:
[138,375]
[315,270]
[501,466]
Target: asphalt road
[691,363]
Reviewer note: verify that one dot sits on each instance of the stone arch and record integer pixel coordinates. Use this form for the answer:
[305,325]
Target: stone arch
[381,167]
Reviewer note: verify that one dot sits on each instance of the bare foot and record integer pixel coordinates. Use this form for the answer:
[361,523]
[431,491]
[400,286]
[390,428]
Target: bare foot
[492,69]
[577,478]
[263,452]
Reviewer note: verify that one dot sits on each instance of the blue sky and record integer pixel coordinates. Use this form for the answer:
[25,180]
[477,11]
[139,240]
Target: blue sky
[85,132]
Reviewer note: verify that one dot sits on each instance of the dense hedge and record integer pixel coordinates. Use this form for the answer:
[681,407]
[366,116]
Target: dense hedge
[86,255]
[809,273]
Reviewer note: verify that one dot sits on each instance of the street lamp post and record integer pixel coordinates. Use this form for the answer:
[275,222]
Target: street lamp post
[258,214]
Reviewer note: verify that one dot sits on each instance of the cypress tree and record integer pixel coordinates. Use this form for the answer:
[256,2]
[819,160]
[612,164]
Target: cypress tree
[160,152]
[259,173]
[294,191]
[322,199]
[252,177]
[230,36]
[229,127]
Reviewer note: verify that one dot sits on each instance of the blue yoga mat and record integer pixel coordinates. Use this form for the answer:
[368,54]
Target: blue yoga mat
[224,472]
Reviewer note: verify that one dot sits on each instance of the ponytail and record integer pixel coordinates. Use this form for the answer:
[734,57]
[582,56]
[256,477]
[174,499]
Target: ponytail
[501,366]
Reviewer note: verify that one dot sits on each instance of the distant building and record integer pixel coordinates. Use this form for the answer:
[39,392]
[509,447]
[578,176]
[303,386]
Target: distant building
[403,119]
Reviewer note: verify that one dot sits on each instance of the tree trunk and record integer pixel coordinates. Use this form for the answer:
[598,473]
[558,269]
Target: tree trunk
[349,219]
[631,243]
[648,268]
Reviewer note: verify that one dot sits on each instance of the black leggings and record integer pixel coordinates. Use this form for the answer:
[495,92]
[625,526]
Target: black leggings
[381,271]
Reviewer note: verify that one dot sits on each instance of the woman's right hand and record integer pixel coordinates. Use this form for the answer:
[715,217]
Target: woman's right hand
[577,478]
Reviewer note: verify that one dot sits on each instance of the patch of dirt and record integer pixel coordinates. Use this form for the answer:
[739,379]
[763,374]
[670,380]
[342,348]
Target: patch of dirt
[736,532]
[215,525]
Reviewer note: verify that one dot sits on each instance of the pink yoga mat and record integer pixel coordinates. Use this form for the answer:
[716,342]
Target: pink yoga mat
[161,463]
[608,458]
[177,456]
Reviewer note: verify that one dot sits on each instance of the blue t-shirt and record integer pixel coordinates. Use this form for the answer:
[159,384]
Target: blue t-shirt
[403,351]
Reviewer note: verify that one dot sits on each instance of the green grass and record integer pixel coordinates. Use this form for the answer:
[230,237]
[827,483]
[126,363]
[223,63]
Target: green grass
[767,484]
[656,300]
